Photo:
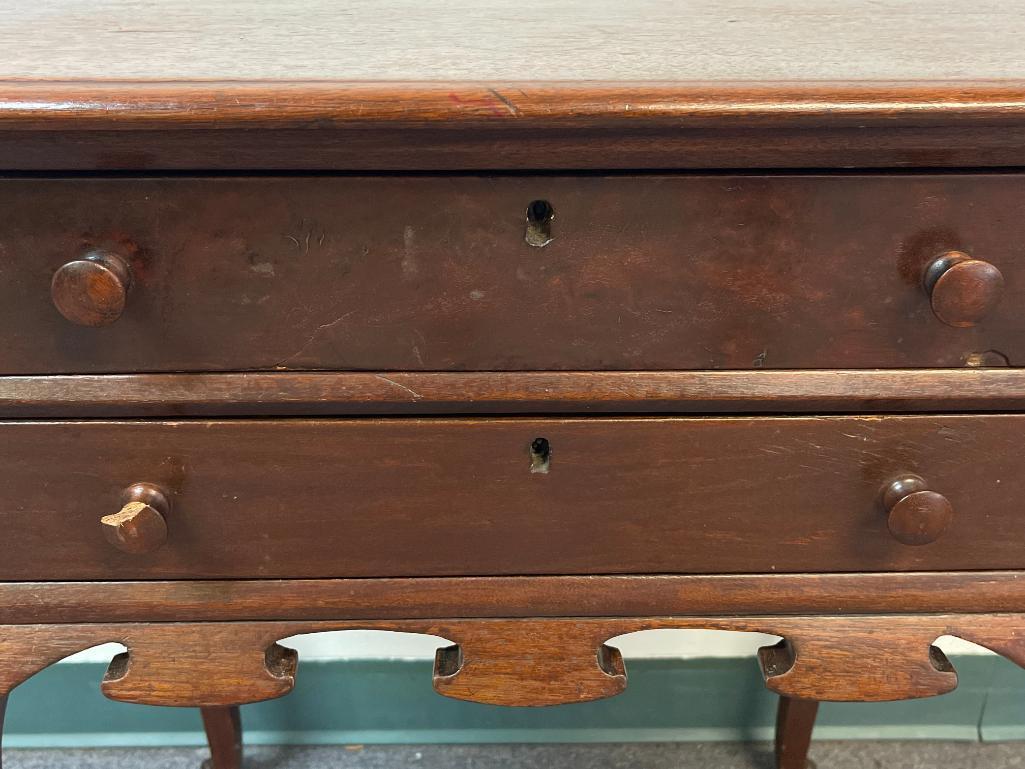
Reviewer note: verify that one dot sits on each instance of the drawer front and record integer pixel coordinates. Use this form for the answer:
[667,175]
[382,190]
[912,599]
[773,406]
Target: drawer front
[435,273]
[360,498]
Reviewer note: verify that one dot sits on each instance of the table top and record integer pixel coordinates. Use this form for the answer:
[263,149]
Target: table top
[500,40]
[536,84]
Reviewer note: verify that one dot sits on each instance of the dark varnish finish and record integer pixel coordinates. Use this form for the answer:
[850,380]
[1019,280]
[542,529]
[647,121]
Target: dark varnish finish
[795,720]
[518,662]
[708,595]
[436,274]
[372,498]
[520,248]
[92,290]
[529,392]
[223,727]
[140,526]
[366,126]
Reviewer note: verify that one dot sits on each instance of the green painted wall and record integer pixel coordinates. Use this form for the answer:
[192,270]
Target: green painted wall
[371,701]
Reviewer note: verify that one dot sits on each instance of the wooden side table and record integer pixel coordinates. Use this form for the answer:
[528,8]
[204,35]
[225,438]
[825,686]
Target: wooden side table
[523,326]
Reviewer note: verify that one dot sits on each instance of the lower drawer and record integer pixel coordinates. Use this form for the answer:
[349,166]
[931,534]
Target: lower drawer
[422,497]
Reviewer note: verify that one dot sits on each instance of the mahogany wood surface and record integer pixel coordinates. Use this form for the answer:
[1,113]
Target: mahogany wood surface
[435,273]
[963,290]
[492,597]
[795,720]
[736,141]
[601,84]
[537,392]
[223,727]
[512,109]
[916,515]
[517,662]
[216,665]
[140,526]
[460,276]
[461,497]
[91,290]
[354,126]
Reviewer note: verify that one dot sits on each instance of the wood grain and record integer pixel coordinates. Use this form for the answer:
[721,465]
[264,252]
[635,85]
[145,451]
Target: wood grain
[352,126]
[456,497]
[950,143]
[493,597]
[220,664]
[690,84]
[434,274]
[223,727]
[483,40]
[141,524]
[91,290]
[507,107]
[795,720]
[867,666]
[534,392]
[526,662]
[963,290]
[429,280]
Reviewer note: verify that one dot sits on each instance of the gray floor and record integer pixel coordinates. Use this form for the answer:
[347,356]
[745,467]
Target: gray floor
[827,755]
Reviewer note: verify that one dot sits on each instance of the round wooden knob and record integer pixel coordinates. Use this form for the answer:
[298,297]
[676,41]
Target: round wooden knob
[962,290]
[139,526]
[92,290]
[917,516]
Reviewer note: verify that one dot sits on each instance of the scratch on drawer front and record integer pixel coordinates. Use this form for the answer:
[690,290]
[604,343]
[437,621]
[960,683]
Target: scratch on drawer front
[313,337]
[414,393]
[409,265]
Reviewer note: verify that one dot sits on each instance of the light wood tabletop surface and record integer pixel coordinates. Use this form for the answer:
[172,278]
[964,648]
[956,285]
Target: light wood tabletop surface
[521,40]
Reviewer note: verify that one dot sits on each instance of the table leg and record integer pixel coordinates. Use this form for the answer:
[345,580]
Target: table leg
[795,720]
[223,725]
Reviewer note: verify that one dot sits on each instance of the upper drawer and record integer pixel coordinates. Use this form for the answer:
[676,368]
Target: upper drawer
[435,273]
[430,497]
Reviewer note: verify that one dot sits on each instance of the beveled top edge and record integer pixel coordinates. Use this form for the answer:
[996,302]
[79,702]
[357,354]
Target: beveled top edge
[316,104]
